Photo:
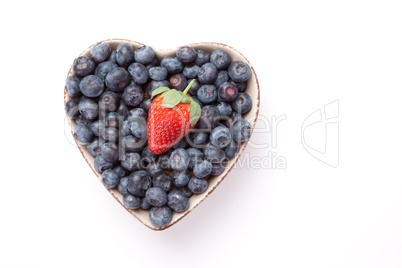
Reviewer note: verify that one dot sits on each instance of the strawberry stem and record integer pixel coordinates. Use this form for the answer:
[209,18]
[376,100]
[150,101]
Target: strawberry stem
[188,87]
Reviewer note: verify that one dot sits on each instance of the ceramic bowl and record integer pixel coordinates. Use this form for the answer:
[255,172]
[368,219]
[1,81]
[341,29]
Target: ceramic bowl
[252,89]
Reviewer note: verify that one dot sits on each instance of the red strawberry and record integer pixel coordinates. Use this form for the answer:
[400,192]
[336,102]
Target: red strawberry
[172,115]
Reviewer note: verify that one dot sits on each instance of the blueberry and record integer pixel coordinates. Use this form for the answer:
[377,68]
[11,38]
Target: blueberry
[92,86]
[154,85]
[137,113]
[194,88]
[71,108]
[120,171]
[225,109]
[122,110]
[73,86]
[131,144]
[207,94]
[181,178]
[122,187]
[199,138]
[223,77]
[186,54]
[138,72]
[209,118]
[96,127]
[113,119]
[227,92]
[218,168]
[88,108]
[242,104]
[232,149]
[160,216]
[117,79]
[154,167]
[178,82]
[144,55]
[110,134]
[184,190]
[229,121]
[156,196]
[241,87]
[132,202]
[172,65]
[196,157]
[158,73]
[144,204]
[131,161]
[207,73]
[147,155]
[197,185]
[239,71]
[82,120]
[177,201]
[202,169]
[198,101]
[104,68]
[138,183]
[214,154]
[94,148]
[138,127]
[101,164]
[202,57]
[133,95]
[110,179]
[146,104]
[220,136]
[109,102]
[125,54]
[241,130]
[83,66]
[100,52]
[162,180]
[83,134]
[112,57]
[179,159]
[110,152]
[191,70]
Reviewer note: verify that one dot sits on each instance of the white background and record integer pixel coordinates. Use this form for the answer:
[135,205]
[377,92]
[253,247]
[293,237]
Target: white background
[55,213]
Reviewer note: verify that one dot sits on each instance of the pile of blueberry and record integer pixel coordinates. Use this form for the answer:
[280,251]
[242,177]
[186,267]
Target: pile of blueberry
[109,101]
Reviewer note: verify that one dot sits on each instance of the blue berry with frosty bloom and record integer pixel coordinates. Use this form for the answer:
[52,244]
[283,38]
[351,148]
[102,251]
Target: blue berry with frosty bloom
[156,196]
[132,202]
[117,79]
[197,185]
[124,54]
[144,55]
[160,216]
[73,86]
[100,52]
[83,134]
[239,71]
[177,201]
[83,66]
[220,59]
[92,86]
[110,179]
[202,169]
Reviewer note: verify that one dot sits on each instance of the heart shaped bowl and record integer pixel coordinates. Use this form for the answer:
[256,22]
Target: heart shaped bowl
[252,89]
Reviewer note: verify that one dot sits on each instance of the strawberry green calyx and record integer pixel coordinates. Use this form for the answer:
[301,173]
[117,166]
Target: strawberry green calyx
[172,97]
